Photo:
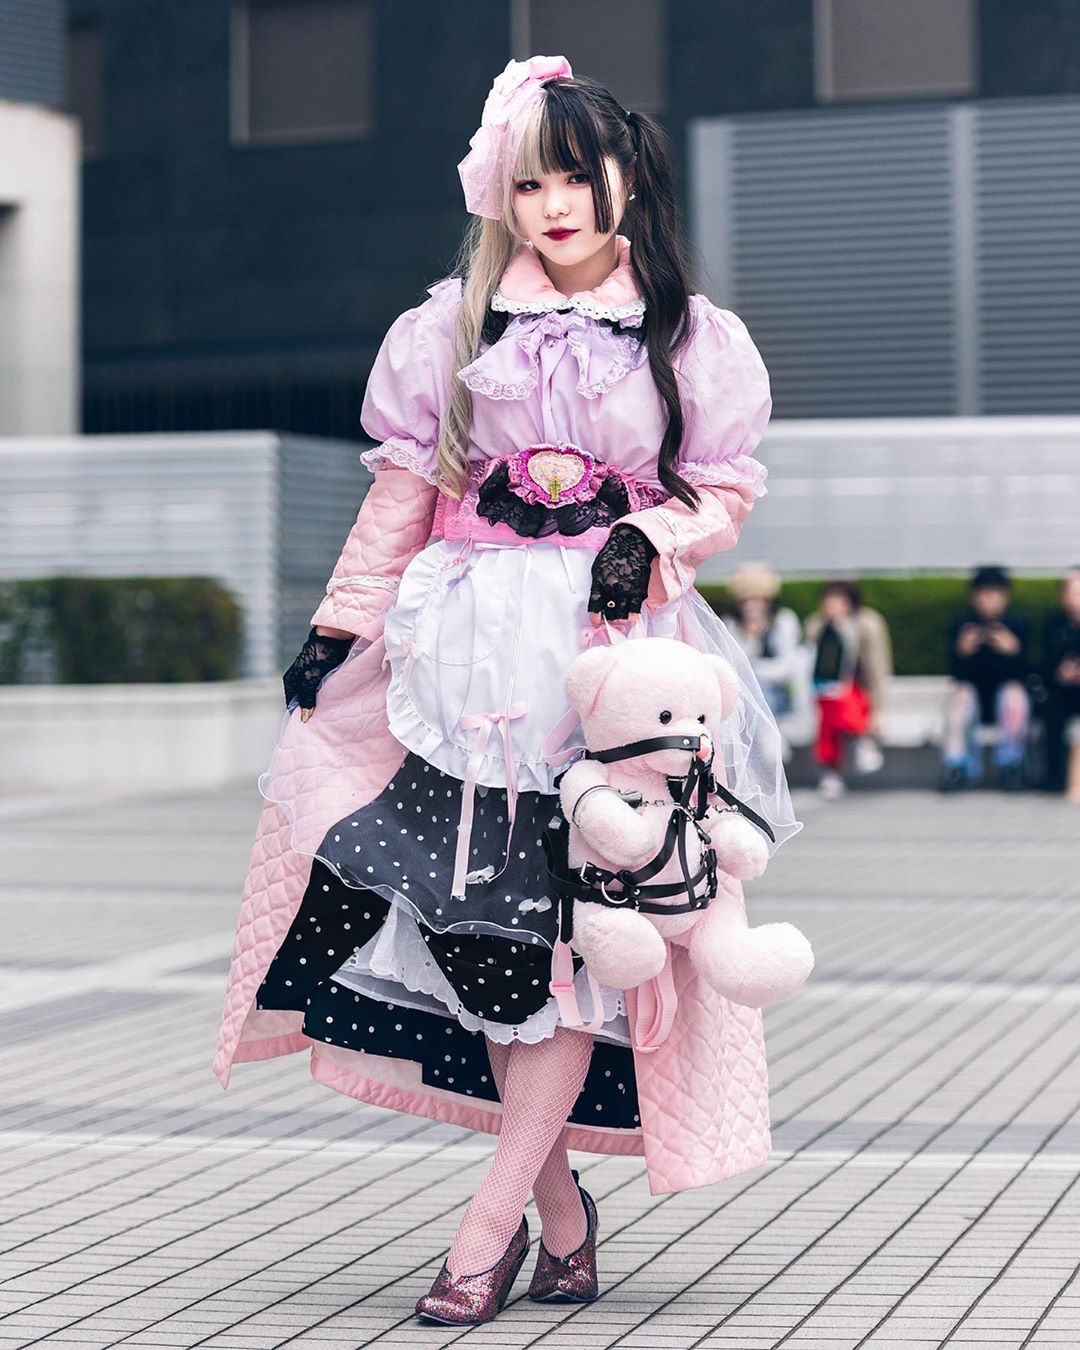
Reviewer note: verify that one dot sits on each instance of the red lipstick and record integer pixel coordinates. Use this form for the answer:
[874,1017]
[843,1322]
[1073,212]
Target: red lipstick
[556,235]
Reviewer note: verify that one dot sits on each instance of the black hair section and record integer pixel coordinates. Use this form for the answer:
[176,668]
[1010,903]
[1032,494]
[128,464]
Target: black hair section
[582,124]
[841,586]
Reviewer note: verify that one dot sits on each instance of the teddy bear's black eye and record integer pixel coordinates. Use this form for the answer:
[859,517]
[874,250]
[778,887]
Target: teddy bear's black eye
[701,717]
[665,717]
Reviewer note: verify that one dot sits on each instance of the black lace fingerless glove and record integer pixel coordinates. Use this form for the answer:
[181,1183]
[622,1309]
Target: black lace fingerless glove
[318,657]
[620,573]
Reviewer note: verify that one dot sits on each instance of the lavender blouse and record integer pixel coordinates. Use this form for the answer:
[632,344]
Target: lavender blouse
[568,377]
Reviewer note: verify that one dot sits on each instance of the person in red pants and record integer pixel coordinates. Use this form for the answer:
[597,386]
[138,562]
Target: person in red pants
[852,665]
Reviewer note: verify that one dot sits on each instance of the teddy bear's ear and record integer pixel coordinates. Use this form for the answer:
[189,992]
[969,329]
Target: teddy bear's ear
[586,676]
[728,682]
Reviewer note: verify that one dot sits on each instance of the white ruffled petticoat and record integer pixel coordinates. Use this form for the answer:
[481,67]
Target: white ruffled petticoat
[397,957]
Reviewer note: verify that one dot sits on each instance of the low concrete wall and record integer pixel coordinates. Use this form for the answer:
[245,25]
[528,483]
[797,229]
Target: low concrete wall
[136,737]
[161,737]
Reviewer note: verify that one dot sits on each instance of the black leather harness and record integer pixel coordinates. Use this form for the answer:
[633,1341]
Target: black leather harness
[690,796]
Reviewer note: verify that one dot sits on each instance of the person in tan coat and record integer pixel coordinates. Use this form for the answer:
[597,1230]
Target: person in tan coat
[852,665]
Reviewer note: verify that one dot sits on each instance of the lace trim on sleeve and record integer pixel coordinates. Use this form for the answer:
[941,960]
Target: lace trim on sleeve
[736,469]
[369,580]
[402,454]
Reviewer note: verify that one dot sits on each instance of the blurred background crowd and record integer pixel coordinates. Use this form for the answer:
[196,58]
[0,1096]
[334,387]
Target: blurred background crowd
[211,211]
[828,679]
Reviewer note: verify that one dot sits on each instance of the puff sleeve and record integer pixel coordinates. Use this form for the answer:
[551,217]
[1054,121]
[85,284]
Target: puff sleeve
[409,387]
[403,406]
[727,402]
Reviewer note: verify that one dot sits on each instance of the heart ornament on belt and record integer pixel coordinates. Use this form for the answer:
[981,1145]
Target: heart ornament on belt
[553,474]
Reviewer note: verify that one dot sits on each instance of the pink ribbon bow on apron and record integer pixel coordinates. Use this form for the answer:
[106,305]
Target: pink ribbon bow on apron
[483,723]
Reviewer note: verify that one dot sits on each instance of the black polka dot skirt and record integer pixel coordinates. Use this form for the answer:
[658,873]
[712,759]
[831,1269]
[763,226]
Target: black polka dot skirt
[402,845]
[357,932]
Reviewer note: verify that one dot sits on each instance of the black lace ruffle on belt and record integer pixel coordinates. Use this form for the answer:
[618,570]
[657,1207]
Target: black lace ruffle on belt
[532,520]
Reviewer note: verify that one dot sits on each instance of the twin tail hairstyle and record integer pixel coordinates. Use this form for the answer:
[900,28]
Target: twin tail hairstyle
[575,128]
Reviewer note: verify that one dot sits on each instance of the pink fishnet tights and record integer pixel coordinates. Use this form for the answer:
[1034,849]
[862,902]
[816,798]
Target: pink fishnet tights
[538,1085]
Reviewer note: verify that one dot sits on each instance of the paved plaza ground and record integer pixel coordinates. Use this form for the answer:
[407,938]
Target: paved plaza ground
[925,1089]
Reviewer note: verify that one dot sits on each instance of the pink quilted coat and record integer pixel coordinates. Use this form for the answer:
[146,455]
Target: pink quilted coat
[703,1093]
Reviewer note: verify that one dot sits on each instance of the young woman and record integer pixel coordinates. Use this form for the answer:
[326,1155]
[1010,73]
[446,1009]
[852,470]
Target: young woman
[565,432]
[852,665]
[770,634]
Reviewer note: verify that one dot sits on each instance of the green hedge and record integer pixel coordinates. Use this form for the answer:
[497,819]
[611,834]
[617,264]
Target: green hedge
[917,608]
[118,630]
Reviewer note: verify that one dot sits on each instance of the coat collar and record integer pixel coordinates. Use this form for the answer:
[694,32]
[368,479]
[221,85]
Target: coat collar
[525,288]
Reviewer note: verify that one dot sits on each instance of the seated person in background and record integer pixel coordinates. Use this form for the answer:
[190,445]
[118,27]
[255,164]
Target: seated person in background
[770,634]
[988,662]
[852,664]
[1061,673]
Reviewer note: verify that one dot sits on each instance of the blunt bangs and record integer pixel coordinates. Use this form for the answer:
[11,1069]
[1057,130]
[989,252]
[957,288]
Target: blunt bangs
[566,136]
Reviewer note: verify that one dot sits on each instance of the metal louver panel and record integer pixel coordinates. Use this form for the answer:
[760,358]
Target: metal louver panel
[1028,211]
[910,261]
[837,253]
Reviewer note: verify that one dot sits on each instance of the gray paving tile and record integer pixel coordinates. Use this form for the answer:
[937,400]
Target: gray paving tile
[925,1099]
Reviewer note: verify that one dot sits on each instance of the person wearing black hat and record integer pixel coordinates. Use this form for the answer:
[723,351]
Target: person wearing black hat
[988,661]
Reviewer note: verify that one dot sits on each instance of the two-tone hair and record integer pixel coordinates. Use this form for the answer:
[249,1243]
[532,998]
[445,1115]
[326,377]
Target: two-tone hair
[576,127]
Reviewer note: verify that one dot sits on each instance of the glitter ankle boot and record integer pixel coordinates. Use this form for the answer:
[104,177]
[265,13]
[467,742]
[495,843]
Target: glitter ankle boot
[458,1300]
[569,1279]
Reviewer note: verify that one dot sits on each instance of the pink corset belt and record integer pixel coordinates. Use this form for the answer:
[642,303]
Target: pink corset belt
[552,491]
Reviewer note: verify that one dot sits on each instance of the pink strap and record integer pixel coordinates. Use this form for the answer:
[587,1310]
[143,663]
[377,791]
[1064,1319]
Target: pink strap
[412,651]
[458,565]
[555,737]
[562,986]
[483,724]
[653,1011]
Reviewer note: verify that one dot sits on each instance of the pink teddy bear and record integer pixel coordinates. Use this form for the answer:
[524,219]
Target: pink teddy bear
[634,691]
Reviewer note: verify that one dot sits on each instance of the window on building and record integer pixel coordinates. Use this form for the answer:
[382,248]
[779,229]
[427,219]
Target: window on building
[621,43]
[867,49]
[303,70]
[85,85]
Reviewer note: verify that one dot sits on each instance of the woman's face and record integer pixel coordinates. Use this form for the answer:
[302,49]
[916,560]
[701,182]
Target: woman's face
[836,606]
[555,213]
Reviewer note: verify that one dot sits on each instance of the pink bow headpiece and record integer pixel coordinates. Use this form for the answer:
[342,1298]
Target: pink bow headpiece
[487,168]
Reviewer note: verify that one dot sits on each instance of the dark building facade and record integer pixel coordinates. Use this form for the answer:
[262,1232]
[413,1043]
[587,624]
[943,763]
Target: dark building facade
[268,183]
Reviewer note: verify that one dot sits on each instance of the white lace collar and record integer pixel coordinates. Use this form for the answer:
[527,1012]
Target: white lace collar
[525,288]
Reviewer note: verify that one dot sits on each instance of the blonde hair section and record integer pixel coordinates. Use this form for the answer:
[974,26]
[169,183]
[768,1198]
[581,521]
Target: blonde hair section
[485,253]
